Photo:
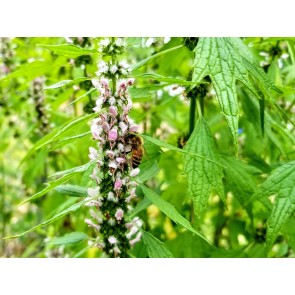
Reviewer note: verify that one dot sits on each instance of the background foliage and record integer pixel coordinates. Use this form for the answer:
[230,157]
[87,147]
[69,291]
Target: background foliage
[218,176]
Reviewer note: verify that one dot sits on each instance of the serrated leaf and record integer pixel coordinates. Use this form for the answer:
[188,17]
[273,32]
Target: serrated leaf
[221,59]
[169,210]
[71,209]
[239,178]
[69,50]
[72,190]
[71,238]
[66,83]
[202,176]
[155,248]
[281,183]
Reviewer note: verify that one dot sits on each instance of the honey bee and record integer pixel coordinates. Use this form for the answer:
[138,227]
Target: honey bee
[137,150]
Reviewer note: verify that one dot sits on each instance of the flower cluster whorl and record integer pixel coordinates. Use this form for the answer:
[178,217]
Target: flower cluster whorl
[113,173]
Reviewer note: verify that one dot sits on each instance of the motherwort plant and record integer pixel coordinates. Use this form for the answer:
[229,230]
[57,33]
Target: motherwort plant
[114,132]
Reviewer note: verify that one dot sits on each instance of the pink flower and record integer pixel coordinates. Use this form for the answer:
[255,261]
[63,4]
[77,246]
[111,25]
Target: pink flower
[95,128]
[134,172]
[105,126]
[113,165]
[133,128]
[119,214]
[122,85]
[91,224]
[113,111]
[112,240]
[113,135]
[110,154]
[121,160]
[123,127]
[136,239]
[130,81]
[118,184]
[104,83]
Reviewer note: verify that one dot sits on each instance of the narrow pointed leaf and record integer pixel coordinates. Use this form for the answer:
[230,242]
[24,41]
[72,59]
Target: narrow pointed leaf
[169,210]
[72,190]
[69,50]
[71,209]
[171,147]
[68,239]
[66,83]
[141,63]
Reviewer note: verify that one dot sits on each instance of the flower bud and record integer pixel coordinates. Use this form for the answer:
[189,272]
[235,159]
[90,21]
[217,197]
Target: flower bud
[119,214]
[118,184]
[113,135]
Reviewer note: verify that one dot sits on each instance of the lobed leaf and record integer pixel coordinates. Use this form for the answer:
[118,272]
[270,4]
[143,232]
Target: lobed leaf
[281,183]
[225,60]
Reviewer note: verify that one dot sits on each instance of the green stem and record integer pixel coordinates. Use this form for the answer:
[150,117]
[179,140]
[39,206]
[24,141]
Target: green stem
[192,115]
[291,50]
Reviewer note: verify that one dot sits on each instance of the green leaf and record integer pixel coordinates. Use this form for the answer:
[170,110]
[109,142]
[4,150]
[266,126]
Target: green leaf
[239,178]
[71,209]
[222,60]
[66,83]
[141,63]
[82,96]
[71,238]
[171,147]
[155,248]
[281,183]
[60,133]
[72,190]
[73,170]
[69,50]
[142,205]
[169,210]
[60,143]
[202,176]
[51,185]
[170,80]
[30,70]
[66,175]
